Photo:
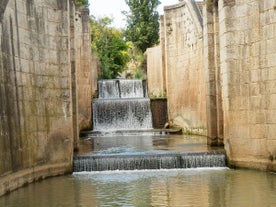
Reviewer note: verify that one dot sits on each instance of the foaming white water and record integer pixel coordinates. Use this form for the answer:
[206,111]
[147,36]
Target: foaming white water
[122,105]
[119,114]
[112,172]
[126,176]
[121,88]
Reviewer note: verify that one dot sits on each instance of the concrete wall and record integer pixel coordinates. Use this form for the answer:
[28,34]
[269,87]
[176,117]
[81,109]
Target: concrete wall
[185,81]
[248,73]
[38,89]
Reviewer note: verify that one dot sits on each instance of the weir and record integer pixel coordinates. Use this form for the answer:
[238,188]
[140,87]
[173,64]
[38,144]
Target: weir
[122,105]
[149,161]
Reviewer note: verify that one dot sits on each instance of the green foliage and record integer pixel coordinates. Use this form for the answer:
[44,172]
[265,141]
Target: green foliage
[142,23]
[139,74]
[84,3]
[137,62]
[110,47]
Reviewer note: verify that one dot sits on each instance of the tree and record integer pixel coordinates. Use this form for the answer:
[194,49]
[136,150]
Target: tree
[142,23]
[84,3]
[137,62]
[110,47]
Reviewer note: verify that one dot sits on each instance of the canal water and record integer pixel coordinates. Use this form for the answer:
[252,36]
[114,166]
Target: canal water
[193,187]
[149,188]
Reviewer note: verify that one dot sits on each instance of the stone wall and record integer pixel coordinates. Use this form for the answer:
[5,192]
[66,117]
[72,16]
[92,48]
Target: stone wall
[94,75]
[247,38]
[38,89]
[156,85]
[212,75]
[238,55]
[185,81]
[84,68]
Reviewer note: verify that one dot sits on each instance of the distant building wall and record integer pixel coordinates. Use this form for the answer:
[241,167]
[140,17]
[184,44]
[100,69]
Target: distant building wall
[185,81]
[38,89]
[155,73]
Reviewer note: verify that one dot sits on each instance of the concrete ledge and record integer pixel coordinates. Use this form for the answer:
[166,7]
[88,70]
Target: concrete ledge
[131,132]
[264,165]
[18,179]
[149,160]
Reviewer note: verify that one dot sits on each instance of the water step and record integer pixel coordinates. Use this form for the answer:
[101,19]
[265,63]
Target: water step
[131,132]
[148,160]
[122,104]
[123,114]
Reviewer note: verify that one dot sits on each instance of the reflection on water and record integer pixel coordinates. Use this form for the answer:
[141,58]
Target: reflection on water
[147,188]
[130,144]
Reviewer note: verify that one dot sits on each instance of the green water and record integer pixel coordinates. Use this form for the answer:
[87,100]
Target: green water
[167,188]
[213,187]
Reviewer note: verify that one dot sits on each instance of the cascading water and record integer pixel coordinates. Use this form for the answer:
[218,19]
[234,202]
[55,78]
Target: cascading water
[149,161]
[148,152]
[122,105]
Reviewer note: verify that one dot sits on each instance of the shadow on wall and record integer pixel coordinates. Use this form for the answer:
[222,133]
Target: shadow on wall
[3,6]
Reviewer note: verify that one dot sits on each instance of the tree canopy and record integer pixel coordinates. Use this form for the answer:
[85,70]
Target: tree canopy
[84,3]
[142,23]
[110,47]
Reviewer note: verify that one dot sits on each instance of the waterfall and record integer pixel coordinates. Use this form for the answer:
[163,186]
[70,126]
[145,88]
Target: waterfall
[149,161]
[122,105]
[121,88]
[108,89]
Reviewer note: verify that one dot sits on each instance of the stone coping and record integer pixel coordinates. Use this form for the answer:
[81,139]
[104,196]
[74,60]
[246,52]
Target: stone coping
[175,6]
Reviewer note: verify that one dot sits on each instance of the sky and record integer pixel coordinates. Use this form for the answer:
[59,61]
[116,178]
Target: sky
[113,8]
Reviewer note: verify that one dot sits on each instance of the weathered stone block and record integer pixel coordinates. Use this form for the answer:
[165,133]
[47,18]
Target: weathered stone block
[239,152]
[270,86]
[268,5]
[254,89]
[258,148]
[255,75]
[271,149]
[272,101]
[271,118]
[271,132]
[271,60]
[259,131]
